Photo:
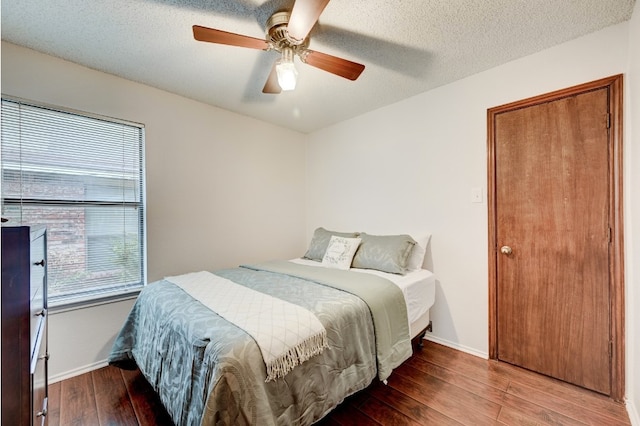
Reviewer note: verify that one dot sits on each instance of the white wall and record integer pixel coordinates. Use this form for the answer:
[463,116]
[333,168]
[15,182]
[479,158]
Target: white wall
[412,166]
[222,188]
[632,214]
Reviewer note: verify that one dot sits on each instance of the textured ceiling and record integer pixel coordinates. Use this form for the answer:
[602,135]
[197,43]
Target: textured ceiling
[407,46]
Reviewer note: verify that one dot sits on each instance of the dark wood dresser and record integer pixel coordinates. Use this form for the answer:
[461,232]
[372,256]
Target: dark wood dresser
[24,325]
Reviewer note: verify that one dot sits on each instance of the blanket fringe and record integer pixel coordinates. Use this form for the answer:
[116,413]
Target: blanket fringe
[296,355]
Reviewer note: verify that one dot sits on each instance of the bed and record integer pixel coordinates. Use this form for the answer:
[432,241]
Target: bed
[209,370]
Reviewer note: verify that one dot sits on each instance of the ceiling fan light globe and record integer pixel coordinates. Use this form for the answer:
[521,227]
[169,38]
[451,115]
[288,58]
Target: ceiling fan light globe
[287,75]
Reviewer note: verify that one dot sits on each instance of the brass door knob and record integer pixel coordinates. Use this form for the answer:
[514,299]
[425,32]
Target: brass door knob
[506,250]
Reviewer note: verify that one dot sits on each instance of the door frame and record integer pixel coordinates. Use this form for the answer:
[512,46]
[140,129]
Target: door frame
[616,214]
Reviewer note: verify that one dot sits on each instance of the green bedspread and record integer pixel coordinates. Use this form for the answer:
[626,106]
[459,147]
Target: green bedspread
[208,371]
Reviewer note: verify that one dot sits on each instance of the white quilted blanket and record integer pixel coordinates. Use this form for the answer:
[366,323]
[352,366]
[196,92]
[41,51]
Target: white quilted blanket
[287,334]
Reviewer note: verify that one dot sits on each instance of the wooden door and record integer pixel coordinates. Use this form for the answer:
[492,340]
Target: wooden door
[552,212]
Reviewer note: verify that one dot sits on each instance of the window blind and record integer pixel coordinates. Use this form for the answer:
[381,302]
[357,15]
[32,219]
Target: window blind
[81,176]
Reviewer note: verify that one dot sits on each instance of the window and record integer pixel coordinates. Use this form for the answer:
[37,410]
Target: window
[81,176]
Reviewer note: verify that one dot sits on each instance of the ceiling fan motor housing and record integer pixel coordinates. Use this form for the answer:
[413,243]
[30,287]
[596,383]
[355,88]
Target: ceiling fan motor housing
[278,36]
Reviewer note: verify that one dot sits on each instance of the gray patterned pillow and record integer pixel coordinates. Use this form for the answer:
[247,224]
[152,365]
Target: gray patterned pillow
[386,253]
[320,242]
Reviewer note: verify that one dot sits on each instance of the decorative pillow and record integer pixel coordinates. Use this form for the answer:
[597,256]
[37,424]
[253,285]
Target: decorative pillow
[416,259]
[320,242]
[386,253]
[340,252]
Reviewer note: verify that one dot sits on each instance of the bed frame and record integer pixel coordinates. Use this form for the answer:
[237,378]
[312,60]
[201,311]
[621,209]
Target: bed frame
[419,328]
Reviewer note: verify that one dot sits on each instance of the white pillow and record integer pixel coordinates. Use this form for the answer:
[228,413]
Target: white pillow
[340,252]
[416,258]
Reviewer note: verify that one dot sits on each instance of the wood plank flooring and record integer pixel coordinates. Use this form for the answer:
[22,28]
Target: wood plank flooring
[437,386]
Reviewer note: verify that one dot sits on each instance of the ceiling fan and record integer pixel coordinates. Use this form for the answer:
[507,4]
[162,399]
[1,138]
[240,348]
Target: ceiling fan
[287,33]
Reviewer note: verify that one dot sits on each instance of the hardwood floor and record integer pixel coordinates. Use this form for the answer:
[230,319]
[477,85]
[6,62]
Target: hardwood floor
[438,386]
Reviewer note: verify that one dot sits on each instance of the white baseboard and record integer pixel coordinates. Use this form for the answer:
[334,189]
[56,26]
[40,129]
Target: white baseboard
[457,346]
[99,364]
[634,415]
[77,371]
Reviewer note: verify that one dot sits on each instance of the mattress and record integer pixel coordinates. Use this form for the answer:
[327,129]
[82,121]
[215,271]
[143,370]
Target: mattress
[418,288]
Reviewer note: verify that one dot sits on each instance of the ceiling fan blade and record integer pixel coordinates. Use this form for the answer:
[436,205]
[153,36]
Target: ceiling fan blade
[333,64]
[272,85]
[223,37]
[304,15]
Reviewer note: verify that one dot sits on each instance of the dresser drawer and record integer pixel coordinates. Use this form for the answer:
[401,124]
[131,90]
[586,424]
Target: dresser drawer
[39,367]
[37,285]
